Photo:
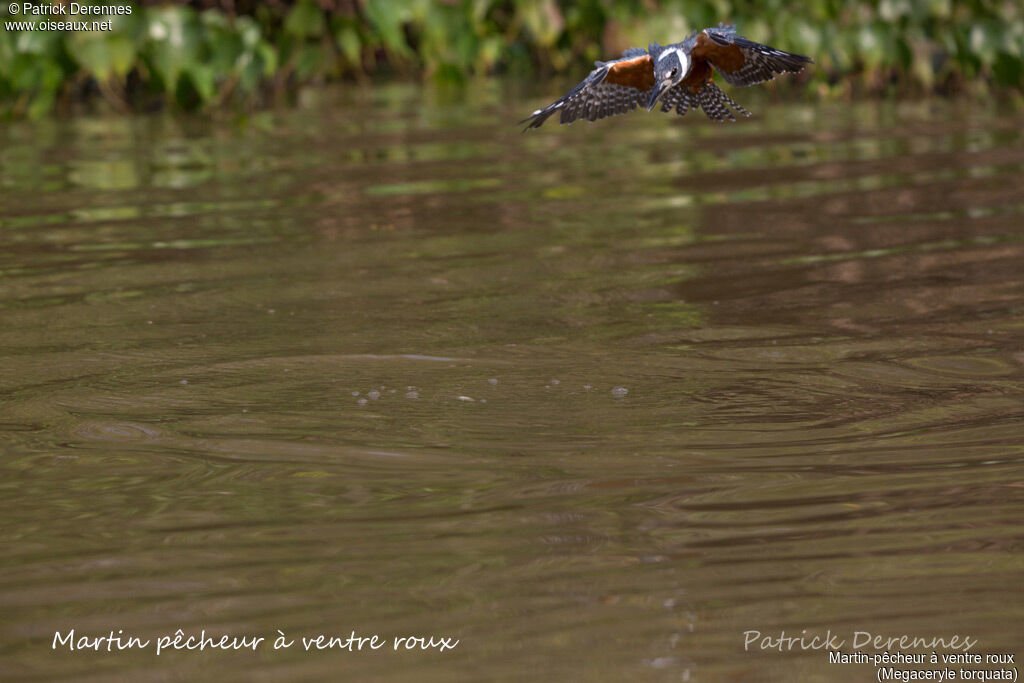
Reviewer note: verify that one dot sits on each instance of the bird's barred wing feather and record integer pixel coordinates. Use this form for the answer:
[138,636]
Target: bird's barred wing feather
[743,62]
[616,87]
[600,101]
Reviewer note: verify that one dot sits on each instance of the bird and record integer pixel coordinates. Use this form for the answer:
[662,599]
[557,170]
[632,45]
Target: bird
[680,76]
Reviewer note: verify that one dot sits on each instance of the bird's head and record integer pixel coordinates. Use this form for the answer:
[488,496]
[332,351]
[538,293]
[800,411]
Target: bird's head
[671,64]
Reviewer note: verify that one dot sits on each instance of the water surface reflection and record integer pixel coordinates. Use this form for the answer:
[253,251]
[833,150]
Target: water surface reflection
[816,314]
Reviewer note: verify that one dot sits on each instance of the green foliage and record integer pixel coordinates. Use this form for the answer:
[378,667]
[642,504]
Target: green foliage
[194,59]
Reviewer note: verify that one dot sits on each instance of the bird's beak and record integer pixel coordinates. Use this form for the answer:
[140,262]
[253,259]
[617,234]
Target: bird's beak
[657,92]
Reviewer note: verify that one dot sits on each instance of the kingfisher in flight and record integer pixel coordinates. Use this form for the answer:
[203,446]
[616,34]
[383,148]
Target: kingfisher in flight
[679,76]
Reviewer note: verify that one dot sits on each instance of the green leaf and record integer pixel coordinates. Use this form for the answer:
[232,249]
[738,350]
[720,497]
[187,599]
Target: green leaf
[249,31]
[224,48]
[102,55]
[173,42]
[347,38]
[250,71]
[203,80]
[871,45]
[30,74]
[42,103]
[308,60]
[543,20]
[388,17]
[268,59]
[305,20]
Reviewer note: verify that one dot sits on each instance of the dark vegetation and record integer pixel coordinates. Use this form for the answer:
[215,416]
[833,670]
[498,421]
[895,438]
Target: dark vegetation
[214,53]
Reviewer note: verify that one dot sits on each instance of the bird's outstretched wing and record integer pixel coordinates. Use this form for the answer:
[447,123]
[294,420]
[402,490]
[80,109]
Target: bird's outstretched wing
[741,61]
[615,87]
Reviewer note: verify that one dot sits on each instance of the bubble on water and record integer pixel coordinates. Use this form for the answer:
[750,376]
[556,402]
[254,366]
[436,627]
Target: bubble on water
[149,322]
[361,401]
[355,393]
[555,382]
[373,395]
[492,381]
[412,394]
[618,392]
[468,399]
[184,381]
[245,410]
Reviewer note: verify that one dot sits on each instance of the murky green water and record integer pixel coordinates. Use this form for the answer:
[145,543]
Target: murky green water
[817,315]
